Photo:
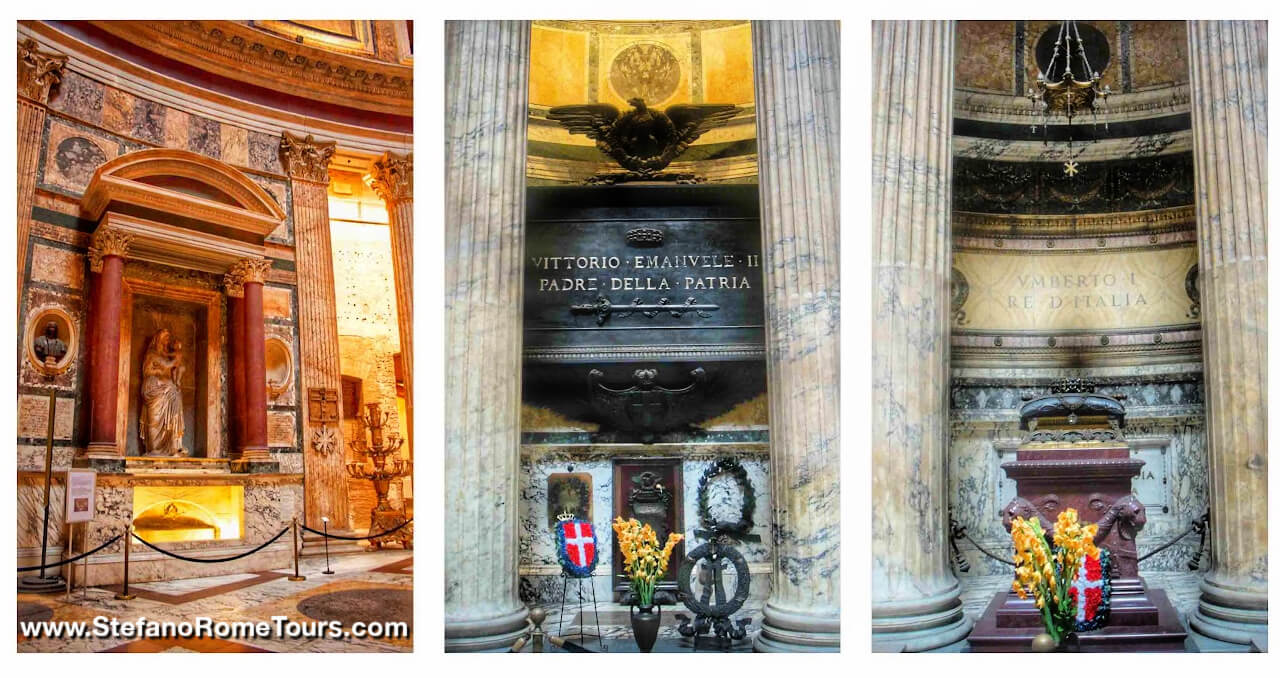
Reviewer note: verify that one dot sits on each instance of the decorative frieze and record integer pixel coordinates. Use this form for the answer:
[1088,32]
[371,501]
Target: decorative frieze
[306,159]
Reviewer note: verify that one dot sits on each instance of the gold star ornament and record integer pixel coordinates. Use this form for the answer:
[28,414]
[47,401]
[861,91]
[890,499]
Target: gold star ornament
[1071,168]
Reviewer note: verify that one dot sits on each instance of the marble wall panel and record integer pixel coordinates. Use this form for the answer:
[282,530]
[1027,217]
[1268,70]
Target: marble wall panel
[235,145]
[31,457]
[79,97]
[264,152]
[987,51]
[149,121]
[73,153]
[33,417]
[57,266]
[204,136]
[277,302]
[30,513]
[117,111]
[282,429]
[176,129]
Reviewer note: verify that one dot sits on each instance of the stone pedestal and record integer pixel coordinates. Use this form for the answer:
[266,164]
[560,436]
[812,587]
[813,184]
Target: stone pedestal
[106,260]
[38,72]
[915,599]
[486,112]
[797,72]
[307,162]
[1229,124]
[393,180]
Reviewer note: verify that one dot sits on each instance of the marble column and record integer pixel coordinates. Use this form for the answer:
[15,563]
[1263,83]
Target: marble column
[797,83]
[393,180]
[1229,127]
[325,477]
[486,115]
[244,282]
[106,261]
[38,72]
[915,599]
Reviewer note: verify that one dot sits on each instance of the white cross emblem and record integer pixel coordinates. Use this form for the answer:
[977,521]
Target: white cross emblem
[577,540]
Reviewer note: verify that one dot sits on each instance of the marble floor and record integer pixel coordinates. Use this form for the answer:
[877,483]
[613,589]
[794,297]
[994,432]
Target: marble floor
[617,637]
[366,587]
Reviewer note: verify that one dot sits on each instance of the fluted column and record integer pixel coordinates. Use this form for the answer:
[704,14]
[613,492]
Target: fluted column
[486,112]
[249,381]
[38,72]
[1229,126]
[393,180]
[106,261]
[307,162]
[797,82]
[915,600]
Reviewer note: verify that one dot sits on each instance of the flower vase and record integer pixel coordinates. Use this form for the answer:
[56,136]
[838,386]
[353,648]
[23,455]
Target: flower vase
[645,621]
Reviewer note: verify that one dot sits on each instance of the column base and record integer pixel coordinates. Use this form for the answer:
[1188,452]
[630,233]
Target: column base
[789,631]
[254,460]
[1229,615]
[101,457]
[920,625]
[495,634]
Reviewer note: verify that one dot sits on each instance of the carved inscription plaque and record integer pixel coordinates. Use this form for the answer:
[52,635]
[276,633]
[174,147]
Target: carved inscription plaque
[663,268]
[322,405]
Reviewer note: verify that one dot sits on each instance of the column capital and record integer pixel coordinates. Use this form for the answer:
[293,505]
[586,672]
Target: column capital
[306,159]
[107,242]
[391,176]
[38,71]
[245,271]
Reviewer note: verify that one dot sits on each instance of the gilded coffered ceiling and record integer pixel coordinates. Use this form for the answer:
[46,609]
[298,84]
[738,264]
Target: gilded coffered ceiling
[663,62]
[359,65]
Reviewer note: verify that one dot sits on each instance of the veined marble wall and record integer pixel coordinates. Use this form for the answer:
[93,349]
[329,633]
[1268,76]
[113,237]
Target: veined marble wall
[540,580]
[1165,407]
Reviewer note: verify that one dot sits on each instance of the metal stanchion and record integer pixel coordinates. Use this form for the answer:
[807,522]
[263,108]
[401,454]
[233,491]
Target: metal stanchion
[124,592]
[296,576]
[327,570]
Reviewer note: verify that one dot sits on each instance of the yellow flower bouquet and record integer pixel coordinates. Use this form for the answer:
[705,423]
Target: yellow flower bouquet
[645,562]
[1047,573]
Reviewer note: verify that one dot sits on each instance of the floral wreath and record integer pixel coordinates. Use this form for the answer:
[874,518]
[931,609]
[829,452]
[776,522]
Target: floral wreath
[1102,605]
[746,521]
[562,553]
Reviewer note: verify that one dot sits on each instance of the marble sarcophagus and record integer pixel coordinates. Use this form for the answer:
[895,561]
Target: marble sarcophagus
[1074,455]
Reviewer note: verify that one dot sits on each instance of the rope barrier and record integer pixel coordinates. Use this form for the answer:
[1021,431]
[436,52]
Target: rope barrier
[372,536]
[255,549]
[60,563]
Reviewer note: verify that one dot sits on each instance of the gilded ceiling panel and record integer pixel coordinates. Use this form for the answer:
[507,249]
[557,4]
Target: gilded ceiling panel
[1159,53]
[984,56]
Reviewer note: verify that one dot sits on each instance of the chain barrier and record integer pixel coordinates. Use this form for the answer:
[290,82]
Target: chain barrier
[1198,526]
[171,554]
[60,563]
[397,528]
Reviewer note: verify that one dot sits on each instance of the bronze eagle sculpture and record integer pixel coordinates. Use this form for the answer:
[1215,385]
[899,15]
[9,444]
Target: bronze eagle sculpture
[643,140]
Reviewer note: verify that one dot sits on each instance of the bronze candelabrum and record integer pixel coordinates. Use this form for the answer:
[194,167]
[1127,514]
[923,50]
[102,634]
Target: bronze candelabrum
[372,464]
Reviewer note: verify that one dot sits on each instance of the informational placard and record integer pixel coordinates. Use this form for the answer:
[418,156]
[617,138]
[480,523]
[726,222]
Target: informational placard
[80,490]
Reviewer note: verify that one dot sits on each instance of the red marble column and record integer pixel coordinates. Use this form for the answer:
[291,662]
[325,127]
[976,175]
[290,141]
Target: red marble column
[235,356]
[251,367]
[106,259]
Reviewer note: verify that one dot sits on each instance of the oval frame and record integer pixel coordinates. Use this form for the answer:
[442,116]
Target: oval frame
[36,320]
[745,523]
[276,389]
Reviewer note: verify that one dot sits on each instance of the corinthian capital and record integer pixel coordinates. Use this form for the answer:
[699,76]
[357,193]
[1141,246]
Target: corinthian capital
[392,177]
[107,242]
[245,271]
[38,71]
[305,158]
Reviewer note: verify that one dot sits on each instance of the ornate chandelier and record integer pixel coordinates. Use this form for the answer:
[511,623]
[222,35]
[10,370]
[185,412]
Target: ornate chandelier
[1068,95]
